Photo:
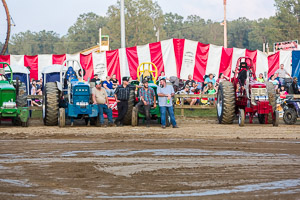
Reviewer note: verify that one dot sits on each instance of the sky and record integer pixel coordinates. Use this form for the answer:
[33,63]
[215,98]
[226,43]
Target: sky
[59,15]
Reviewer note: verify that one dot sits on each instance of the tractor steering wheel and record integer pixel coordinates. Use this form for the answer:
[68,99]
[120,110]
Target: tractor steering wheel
[150,66]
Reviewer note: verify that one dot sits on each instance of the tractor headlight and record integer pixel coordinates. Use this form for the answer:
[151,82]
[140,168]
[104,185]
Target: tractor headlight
[261,98]
[82,104]
[9,104]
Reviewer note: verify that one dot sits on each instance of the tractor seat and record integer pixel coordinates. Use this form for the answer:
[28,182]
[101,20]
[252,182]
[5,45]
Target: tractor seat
[243,65]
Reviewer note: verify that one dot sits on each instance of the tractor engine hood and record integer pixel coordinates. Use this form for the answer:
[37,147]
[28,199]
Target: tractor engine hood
[256,84]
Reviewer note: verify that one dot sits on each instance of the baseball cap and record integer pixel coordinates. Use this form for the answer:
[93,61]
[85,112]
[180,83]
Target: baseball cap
[98,82]
[125,79]
[145,80]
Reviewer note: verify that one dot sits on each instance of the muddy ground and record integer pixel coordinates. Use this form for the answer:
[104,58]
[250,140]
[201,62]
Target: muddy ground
[201,159]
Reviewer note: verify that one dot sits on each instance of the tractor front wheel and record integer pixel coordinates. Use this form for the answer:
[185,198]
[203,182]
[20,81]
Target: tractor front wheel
[135,117]
[276,118]
[62,117]
[290,116]
[241,117]
[261,118]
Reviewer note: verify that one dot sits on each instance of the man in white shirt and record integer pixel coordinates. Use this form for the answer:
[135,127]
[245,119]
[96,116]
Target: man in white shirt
[281,74]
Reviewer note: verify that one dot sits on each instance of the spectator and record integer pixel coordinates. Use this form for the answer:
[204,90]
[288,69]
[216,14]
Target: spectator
[34,102]
[96,78]
[122,96]
[210,89]
[162,75]
[108,85]
[190,81]
[147,100]
[281,74]
[191,101]
[115,81]
[41,85]
[261,78]
[274,81]
[294,87]
[100,98]
[222,77]
[165,94]
[283,91]
[210,79]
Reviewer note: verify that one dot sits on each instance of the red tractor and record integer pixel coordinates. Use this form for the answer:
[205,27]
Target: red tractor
[244,95]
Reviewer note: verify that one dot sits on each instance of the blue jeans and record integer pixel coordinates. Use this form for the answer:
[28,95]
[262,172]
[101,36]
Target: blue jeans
[110,92]
[163,110]
[107,111]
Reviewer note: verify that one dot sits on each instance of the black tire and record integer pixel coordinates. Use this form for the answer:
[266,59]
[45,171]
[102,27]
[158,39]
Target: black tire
[226,103]
[25,124]
[51,104]
[22,96]
[93,121]
[62,117]
[92,85]
[241,117]
[290,116]
[97,121]
[261,118]
[135,117]
[276,120]
[128,116]
[272,99]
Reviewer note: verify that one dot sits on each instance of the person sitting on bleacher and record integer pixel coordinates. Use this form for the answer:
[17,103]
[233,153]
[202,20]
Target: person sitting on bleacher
[190,81]
[210,79]
[294,89]
[210,89]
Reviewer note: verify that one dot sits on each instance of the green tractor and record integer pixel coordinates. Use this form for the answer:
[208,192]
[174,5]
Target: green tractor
[149,70]
[13,97]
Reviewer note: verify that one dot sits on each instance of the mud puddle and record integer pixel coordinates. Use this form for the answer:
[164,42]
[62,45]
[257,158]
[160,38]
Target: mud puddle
[275,185]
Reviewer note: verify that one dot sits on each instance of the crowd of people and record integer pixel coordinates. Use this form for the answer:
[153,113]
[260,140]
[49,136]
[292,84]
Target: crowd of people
[36,88]
[147,99]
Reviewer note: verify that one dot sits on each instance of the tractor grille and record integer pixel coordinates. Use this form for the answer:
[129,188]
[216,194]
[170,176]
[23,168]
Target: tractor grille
[258,92]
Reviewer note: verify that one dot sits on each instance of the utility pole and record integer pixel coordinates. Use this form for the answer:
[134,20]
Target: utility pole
[225,25]
[122,16]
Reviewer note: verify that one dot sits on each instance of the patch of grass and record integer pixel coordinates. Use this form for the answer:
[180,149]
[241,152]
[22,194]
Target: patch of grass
[212,112]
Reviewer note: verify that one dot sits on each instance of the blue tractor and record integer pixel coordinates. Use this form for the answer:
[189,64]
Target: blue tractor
[68,98]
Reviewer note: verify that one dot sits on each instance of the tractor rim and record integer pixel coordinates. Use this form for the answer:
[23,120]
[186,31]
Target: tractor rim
[219,104]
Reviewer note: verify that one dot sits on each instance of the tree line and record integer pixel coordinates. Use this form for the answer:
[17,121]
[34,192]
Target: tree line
[145,17]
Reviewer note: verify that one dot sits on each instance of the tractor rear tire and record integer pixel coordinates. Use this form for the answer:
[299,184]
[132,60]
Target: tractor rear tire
[128,116]
[241,117]
[62,117]
[51,104]
[226,103]
[22,96]
[290,116]
[272,99]
[135,117]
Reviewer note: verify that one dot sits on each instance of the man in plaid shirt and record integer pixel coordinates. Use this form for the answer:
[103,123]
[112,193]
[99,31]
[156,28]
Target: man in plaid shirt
[147,100]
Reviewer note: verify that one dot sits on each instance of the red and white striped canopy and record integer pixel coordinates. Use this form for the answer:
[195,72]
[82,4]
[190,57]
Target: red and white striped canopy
[177,57]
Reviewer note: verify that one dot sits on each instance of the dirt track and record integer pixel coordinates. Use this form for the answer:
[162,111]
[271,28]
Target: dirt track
[200,159]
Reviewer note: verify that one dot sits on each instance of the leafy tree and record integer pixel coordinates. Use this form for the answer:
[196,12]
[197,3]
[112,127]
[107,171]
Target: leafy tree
[85,32]
[141,16]
[32,43]
[173,25]
[238,33]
